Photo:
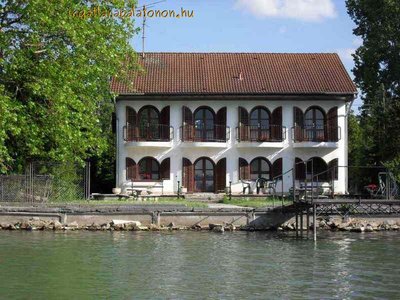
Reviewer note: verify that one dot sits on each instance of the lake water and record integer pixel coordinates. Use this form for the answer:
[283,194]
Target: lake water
[197,265]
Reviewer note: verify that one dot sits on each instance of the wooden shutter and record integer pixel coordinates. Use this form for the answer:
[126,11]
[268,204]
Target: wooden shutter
[332,125]
[165,168]
[276,122]
[333,169]
[300,169]
[164,122]
[188,175]
[298,121]
[244,169]
[220,130]
[220,176]
[187,124]
[131,169]
[244,132]
[131,124]
[277,168]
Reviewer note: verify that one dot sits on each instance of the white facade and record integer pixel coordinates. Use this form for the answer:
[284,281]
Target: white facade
[232,150]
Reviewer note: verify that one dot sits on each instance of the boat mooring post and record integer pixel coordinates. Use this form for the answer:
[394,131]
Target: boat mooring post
[315,221]
[297,223]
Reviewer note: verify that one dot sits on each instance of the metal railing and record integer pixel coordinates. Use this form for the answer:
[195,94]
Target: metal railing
[196,133]
[43,182]
[366,182]
[148,133]
[316,133]
[270,133]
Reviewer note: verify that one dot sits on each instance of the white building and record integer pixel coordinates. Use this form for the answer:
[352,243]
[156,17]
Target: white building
[211,119]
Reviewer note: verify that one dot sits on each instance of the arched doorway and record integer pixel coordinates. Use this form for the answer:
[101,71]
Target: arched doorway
[259,124]
[149,123]
[260,168]
[204,175]
[204,124]
[314,123]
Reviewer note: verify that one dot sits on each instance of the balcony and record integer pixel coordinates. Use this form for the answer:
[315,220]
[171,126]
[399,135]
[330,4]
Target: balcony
[271,136]
[209,136]
[316,136]
[150,135]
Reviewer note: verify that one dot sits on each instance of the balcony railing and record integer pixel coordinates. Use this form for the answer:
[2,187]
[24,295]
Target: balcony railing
[271,133]
[214,133]
[148,133]
[316,134]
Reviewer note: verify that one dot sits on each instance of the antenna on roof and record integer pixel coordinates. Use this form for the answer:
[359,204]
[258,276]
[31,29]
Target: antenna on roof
[145,6]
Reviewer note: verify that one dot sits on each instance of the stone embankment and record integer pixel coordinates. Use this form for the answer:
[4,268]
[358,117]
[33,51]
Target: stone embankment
[349,224]
[115,225]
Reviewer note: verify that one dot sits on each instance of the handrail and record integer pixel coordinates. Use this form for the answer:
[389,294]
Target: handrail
[192,133]
[256,133]
[316,134]
[149,132]
[281,175]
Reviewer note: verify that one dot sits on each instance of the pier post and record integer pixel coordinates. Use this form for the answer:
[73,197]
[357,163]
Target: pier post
[308,221]
[297,223]
[301,222]
[315,221]
[156,218]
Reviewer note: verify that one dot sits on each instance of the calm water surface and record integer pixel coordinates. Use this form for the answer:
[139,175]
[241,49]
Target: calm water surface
[193,265]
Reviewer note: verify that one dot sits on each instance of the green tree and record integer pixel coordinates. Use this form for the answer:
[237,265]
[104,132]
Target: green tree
[377,74]
[356,144]
[56,61]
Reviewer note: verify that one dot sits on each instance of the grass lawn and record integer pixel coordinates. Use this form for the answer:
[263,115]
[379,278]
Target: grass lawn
[255,202]
[159,201]
[245,202]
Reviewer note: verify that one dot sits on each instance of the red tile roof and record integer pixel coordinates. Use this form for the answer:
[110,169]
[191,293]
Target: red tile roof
[239,73]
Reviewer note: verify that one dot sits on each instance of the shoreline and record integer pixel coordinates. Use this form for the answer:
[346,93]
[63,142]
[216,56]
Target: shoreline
[177,217]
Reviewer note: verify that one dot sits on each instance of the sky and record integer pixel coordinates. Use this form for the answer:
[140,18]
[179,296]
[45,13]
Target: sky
[251,26]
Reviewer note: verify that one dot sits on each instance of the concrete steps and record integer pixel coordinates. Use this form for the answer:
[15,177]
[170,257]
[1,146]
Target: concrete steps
[205,197]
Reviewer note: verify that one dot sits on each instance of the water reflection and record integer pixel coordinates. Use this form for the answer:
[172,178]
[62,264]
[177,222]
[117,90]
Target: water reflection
[190,265]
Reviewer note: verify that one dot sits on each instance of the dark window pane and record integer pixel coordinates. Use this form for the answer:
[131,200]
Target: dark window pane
[263,113]
[198,175]
[264,166]
[153,114]
[209,165]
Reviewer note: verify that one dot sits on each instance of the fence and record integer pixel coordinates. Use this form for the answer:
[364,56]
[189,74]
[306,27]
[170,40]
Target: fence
[43,182]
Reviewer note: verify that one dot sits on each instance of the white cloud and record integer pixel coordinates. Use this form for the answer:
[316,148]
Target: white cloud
[306,10]
[346,53]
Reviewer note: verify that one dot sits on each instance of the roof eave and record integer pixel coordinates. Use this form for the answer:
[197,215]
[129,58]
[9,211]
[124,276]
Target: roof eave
[347,96]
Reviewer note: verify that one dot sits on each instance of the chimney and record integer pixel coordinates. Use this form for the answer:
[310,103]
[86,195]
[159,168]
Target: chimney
[240,76]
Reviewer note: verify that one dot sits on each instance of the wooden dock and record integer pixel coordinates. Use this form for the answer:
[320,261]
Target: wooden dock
[342,207]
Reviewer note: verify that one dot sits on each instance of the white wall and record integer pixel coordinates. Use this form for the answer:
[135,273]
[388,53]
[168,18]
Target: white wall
[288,150]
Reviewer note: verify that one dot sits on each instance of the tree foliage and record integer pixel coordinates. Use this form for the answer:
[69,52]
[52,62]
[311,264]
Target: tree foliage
[377,74]
[55,68]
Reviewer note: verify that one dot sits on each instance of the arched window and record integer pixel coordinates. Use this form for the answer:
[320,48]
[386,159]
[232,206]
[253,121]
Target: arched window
[260,168]
[259,124]
[149,123]
[204,124]
[149,169]
[314,124]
